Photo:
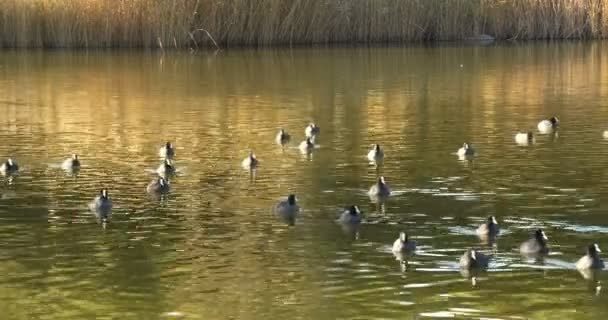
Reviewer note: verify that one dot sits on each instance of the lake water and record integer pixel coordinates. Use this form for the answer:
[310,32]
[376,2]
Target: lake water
[213,249]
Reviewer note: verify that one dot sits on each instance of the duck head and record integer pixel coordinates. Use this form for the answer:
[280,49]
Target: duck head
[403,237]
[10,162]
[593,250]
[540,236]
[162,181]
[104,193]
[377,147]
[492,220]
[251,155]
[381,180]
[354,210]
[554,121]
[472,254]
[465,146]
[168,145]
[291,199]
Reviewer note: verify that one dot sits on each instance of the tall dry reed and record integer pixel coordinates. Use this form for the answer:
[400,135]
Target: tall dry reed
[197,23]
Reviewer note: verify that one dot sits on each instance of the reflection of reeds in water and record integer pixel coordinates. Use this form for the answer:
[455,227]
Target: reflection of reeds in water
[191,23]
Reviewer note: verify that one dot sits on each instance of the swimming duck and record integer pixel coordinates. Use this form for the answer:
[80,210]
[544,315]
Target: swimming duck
[548,125]
[312,130]
[282,137]
[102,204]
[167,151]
[380,188]
[307,145]
[351,216]
[158,185]
[375,154]
[473,259]
[288,209]
[403,244]
[466,151]
[72,163]
[166,168]
[535,245]
[489,229]
[524,138]
[591,260]
[9,167]
[250,162]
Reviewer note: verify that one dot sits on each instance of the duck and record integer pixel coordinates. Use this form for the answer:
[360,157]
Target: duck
[312,130]
[250,162]
[524,138]
[351,215]
[167,151]
[288,209]
[403,244]
[466,151]
[9,167]
[591,260]
[380,188]
[102,204]
[307,145]
[535,245]
[473,259]
[158,185]
[489,229]
[72,163]
[548,125]
[282,137]
[166,168]
[375,154]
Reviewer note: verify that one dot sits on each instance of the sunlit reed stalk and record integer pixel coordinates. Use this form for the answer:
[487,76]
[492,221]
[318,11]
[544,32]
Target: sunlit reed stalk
[228,23]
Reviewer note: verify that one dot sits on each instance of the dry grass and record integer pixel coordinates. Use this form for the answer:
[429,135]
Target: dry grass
[191,23]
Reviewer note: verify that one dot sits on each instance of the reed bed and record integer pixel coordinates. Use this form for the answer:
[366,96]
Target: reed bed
[228,23]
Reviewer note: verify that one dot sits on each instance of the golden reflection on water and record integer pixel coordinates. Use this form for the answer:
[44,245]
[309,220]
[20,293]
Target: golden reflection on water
[212,250]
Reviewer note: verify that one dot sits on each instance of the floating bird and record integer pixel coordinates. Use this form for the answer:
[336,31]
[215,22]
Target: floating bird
[473,259]
[282,137]
[71,164]
[535,245]
[167,151]
[466,151]
[9,167]
[351,216]
[548,125]
[403,244]
[250,162]
[312,130]
[375,154]
[158,185]
[307,145]
[288,209]
[102,204]
[591,260]
[489,229]
[380,188]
